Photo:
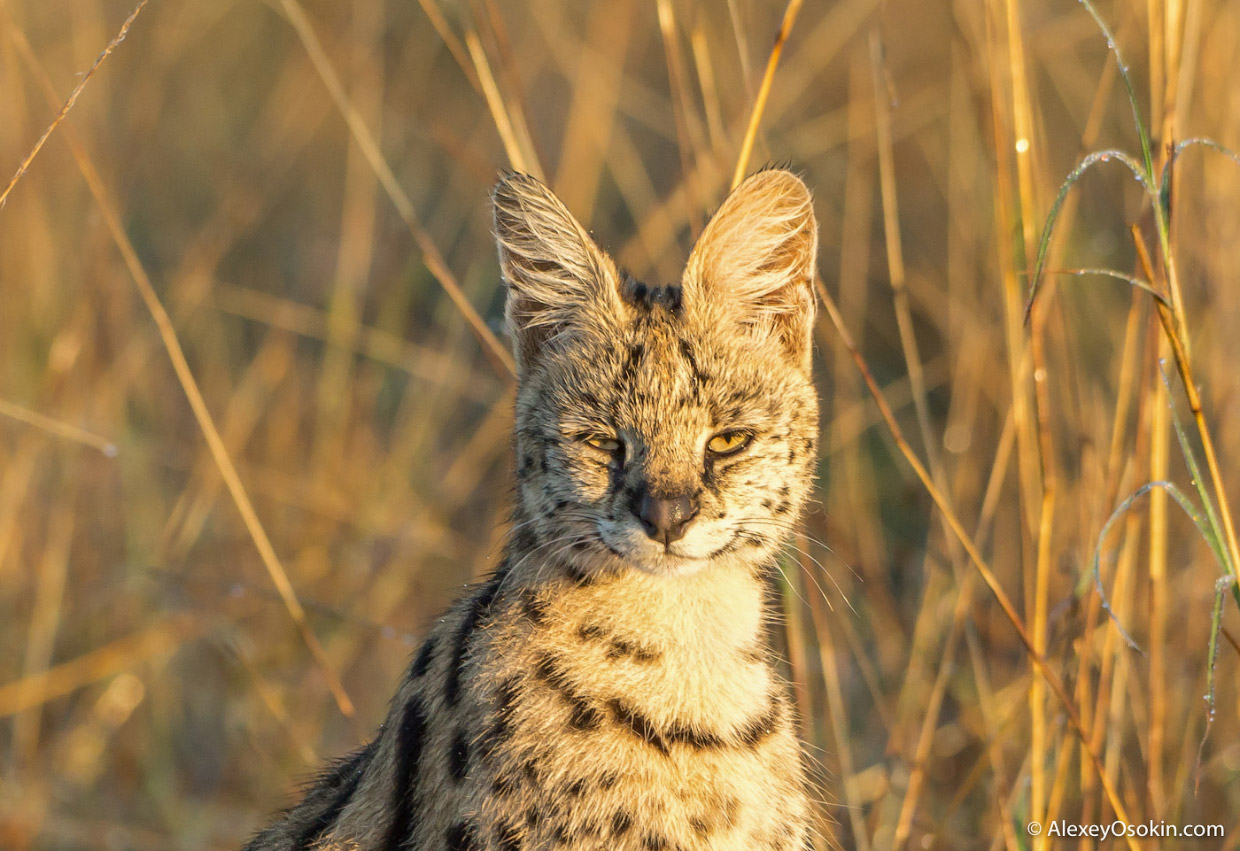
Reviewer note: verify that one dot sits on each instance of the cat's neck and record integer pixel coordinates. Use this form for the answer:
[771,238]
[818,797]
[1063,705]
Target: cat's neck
[719,608]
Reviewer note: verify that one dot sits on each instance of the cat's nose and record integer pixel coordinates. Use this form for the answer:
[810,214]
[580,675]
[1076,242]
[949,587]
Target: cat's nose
[665,519]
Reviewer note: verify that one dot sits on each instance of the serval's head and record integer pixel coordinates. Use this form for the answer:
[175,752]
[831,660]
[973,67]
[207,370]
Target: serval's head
[662,427]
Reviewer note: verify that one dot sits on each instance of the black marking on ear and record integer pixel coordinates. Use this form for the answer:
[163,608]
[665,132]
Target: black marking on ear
[647,297]
[342,783]
[409,741]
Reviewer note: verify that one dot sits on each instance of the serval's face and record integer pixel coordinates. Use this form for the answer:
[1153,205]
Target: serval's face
[662,428]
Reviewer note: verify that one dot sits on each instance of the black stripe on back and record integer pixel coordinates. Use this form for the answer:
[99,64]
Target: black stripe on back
[409,740]
[479,605]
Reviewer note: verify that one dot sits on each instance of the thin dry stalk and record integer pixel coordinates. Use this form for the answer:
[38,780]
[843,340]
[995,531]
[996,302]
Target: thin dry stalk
[60,428]
[198,405]
[764,91]
[434,261]
[837,715]
[687,142]
[71,100]
[1039,661]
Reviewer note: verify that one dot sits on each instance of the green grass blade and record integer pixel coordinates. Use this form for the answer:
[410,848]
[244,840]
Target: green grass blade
[1216,624]
[1189,508]
[1083,166]
[1164,180]
[1215,538]
[1117,275]
[1142,131]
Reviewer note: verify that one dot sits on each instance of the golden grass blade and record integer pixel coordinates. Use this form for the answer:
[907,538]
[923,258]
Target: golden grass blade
[198,405]
[434,261]
[71,100]
[62,429]
[160,638]
[499,113]
[1038,659]
[764,91]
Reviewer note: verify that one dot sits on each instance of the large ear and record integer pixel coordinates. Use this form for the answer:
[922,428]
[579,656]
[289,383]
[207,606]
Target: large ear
[558,280]
[756,260]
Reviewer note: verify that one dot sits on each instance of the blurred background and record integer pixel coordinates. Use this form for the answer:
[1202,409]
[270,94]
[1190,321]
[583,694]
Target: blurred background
[298,191]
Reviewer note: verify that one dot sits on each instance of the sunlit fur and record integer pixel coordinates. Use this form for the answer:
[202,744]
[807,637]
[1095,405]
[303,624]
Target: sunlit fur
[603,691]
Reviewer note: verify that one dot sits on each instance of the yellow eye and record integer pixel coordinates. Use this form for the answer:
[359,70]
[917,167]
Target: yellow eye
[603,443]
[729,443]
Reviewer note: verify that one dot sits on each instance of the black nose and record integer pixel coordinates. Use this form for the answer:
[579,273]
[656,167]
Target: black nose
[665,519]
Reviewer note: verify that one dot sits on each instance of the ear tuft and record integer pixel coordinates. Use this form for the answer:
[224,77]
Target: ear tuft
[757,258]
[556,276]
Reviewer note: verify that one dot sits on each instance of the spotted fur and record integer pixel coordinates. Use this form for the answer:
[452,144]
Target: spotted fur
[605,688]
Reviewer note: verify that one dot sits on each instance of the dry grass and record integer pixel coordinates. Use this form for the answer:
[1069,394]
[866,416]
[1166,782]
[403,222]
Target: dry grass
[254,414]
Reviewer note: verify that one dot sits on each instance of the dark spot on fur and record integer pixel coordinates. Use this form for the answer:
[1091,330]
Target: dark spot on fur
[784,507]
[424,658]
[654,842]
[700,825]
[532,817]
[591,632]
[637,724]
[503,785]
[534,607]
[578,576]
[462,837]
[523,540]
[608,780]
[620,823]
[577,788]
[458,757]
[508,837]
[530,769]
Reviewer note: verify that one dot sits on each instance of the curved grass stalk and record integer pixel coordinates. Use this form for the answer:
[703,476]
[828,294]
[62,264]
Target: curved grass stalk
[1164,180]
[1194,514]
[1076,174]
[1117,275]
